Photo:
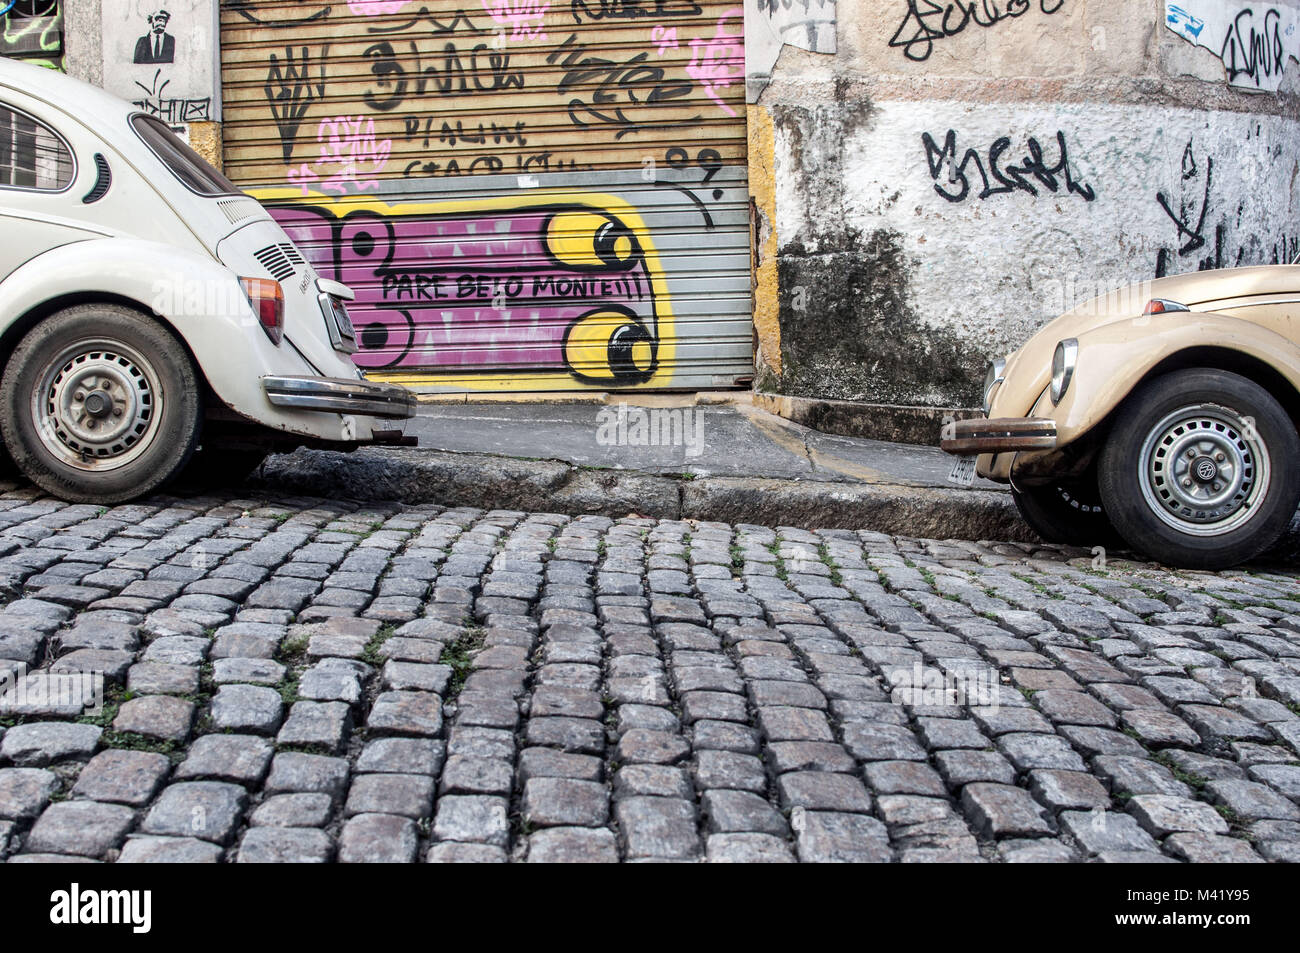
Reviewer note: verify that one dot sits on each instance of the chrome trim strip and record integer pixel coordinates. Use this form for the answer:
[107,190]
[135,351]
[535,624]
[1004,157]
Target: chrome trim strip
[340,396]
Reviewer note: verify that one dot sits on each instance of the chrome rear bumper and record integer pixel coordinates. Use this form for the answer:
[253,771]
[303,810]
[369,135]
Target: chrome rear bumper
[340,396]
[1000,435]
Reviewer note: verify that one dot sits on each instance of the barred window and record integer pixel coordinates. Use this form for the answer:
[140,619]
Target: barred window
[32,156]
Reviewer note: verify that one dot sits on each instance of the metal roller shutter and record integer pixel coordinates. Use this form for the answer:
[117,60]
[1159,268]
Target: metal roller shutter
[525,195]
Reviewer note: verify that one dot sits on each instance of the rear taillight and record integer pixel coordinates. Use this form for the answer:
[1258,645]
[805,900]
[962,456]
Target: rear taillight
[267,300]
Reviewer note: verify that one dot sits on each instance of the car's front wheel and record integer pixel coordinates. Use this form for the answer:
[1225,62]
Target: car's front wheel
[100,404]
[1068,512]
[1201,469]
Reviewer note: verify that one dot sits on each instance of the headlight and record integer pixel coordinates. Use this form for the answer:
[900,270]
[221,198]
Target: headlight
[1063,362]
[994,377]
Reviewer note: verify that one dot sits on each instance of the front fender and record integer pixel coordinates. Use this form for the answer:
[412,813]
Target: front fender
[1111,364]
[200,299]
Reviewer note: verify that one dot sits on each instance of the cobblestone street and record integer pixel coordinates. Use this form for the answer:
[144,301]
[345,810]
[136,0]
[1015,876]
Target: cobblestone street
[307,680]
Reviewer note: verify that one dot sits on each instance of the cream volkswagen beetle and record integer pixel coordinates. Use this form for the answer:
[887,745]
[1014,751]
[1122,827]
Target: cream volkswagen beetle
[149,310]
[1166,413]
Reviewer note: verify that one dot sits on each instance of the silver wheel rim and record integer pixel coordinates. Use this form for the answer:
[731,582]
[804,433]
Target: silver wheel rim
[98,405]
[1204,470]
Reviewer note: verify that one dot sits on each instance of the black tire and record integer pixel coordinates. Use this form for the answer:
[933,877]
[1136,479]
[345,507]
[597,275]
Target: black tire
[100,404]
[8,469]
[1200,469]
[218,467]
[1070,512]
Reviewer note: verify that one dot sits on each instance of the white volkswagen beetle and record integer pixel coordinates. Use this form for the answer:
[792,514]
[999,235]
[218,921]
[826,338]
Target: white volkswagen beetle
[149,309]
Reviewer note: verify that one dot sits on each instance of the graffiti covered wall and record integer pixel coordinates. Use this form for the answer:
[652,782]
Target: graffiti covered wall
[163,57]
[484,286]
[32,31]
[957,175]
[489,147]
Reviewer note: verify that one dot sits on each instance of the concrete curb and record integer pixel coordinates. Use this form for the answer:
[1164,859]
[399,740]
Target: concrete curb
[847,418]
[492,482]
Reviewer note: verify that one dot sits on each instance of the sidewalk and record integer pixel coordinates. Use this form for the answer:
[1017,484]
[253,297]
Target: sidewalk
[728,462]
[737,441]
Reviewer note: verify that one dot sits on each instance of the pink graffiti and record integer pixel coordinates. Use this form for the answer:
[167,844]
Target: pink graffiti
[718,62]
[462,292]
[524,17]
[374,8]
[350,155]
[665,38]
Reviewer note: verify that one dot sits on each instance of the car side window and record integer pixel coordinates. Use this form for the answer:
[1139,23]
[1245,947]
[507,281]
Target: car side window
[32,155]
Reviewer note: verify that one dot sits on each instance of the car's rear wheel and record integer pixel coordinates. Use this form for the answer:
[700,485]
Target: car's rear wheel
[1201,469]
[1068,512]
[100,404]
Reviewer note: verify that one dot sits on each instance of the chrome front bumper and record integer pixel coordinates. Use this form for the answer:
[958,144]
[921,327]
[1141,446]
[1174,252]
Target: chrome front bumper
[1000,435]
[339,396]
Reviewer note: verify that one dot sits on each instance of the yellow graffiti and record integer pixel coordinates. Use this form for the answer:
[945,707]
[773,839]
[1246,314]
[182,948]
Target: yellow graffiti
[589,240]
[601,344]
[611,233]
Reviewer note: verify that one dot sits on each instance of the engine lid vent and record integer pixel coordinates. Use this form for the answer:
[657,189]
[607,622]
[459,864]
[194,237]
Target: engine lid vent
[277,261]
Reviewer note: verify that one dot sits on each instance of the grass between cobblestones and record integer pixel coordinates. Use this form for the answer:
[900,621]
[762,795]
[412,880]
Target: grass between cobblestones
[460,656]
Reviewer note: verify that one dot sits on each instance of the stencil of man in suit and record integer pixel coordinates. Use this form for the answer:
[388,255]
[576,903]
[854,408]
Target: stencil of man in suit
[156,46]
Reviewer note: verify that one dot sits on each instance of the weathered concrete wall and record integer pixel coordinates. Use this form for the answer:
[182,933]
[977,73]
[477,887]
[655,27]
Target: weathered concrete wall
[182,86]
[937,196]
[83,45]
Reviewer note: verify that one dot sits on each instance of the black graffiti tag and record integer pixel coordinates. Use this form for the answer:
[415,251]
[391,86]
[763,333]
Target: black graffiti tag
[439,25]
[632,9]
[927,21]
[999,178]
[290,90]
[613,90]
[1191,235]
[465,132]
[1257,55]
[709,161]
[1224,246]
[254,11]
[488,164]
[482,70]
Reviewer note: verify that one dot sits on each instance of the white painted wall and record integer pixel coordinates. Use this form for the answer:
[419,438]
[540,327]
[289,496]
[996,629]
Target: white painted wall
[1128,88]
[995,269]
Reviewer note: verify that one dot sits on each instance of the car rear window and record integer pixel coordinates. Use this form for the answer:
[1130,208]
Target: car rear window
[32,156]
[186,164]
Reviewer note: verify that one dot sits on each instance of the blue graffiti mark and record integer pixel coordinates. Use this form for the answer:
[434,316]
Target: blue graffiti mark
[1191,25]
[6,7]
